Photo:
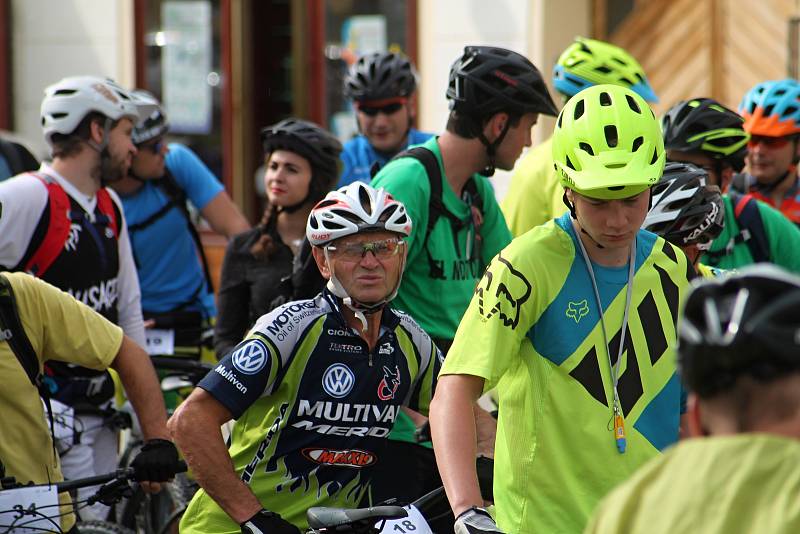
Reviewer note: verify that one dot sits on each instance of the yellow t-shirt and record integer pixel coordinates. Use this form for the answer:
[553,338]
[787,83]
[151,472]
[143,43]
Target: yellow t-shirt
[534,195]
[59,328]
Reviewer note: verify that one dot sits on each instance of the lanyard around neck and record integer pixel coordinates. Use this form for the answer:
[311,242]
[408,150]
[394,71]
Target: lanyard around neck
[617,417]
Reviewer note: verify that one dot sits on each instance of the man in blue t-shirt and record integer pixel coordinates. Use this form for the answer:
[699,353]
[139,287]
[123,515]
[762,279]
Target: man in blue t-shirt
[165,245]
[381,86]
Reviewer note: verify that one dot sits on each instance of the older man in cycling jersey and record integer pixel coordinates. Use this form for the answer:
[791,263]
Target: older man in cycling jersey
[316,385]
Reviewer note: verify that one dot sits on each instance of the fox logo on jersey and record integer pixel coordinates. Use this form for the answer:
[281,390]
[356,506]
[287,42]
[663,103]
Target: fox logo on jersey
[389,383]
[577,310]
[511,292]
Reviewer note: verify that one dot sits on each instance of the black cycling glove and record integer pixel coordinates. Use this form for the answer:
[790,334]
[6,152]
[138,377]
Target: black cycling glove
[156,462]
[266,522]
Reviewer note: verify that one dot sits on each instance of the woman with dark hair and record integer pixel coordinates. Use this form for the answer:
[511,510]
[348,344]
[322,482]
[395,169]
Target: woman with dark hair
[302,165]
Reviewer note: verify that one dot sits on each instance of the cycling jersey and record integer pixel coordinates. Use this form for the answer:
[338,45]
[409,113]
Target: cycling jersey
[170,271]
[359,156]
[313,407]
[59,328]
[716,485]
[533,331]
[535,195]
[95,266]
[790,204]
[783,237]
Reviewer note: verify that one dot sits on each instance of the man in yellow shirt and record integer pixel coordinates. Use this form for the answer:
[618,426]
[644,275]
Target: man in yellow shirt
[59,327]
[534,195]
[739,356]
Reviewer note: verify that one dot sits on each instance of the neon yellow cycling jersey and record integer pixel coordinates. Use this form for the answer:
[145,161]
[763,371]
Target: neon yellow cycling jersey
[533,331]
[719,485]
[707,271]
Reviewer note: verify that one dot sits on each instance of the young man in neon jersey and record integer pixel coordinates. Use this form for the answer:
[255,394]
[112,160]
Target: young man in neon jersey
[574,323]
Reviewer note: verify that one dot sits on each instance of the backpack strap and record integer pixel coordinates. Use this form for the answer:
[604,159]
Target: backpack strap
[17,339]
[748,216]
[58,228]
[106,206]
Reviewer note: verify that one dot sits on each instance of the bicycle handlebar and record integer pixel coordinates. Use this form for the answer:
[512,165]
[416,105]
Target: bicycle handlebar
[168,363]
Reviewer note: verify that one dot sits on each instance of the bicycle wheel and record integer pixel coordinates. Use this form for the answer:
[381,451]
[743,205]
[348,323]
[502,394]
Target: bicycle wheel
[151,513]
[102,527]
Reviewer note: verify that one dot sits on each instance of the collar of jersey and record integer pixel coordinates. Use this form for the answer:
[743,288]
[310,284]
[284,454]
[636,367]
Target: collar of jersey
[389,318]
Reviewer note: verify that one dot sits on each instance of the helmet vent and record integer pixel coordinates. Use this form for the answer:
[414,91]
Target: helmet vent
[578,110]
[768,110]
[633,104]
[366,201]
[639,141]
[65,92]
[603,69]
[560,116]
[791,110]
[605,99]
[59,115]
[586,147]
[620,61]
[570,165]
[780,92]
[611,135]
[655,156]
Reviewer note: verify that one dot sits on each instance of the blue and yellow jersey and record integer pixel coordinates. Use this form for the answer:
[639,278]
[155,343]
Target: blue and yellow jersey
[313,407]
[706,271]
[533,331]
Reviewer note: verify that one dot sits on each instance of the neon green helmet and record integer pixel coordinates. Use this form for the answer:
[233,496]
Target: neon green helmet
[607,143]
[588,62]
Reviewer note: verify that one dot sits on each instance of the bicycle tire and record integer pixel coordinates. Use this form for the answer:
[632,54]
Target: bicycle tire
[102,527]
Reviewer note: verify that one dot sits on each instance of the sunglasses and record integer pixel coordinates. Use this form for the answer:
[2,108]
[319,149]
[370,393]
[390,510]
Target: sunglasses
[388,109]
[769,142]
[383,250]
[155,148]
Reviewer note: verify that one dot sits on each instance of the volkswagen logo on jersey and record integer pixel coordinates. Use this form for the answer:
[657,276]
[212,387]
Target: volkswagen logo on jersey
[250,358]
[338,380]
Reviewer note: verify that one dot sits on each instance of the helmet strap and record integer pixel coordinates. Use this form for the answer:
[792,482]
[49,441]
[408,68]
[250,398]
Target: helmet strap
[491,148]
[574,214]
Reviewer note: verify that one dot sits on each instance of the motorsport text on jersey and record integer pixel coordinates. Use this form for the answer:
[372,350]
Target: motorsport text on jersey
[313,407]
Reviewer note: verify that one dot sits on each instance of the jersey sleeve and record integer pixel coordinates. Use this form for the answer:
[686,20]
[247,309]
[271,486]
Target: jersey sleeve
[23,200]
[783,236]
[405,179]
[61,328]
[189,171]
[430,363]
[499,315]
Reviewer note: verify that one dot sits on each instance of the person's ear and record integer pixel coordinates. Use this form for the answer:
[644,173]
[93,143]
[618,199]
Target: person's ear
[322,263]
[494,128]
[725,177]
[694,417]
[96,128]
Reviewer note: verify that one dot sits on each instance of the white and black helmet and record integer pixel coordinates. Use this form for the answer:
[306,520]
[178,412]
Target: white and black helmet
[68,101]
[154,125]
[354,209]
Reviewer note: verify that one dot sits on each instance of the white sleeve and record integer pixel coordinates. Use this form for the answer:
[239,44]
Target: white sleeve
[129,305]
[22,202]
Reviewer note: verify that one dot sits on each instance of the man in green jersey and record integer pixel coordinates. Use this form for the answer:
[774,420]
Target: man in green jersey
[703,132]
[739,356]
[534,193]
[316,385]
[496,96]
[574,323]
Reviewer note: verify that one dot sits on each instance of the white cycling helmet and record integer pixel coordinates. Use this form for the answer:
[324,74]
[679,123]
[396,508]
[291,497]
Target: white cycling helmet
[68,101]
[353,209]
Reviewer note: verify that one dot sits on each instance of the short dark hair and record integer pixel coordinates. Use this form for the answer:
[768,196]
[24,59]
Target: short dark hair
[65,145]
[469,127]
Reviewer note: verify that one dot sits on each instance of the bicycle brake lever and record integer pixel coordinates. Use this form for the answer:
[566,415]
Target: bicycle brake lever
[112,493]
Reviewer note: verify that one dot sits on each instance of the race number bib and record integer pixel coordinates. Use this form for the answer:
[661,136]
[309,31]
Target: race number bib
[40,503]
[160,342]
[413,524]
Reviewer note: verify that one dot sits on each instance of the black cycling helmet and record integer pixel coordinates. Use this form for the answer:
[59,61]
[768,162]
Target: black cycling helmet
[155,125]
[744,324]
[486,80]
[685,210]
[317,145]
[380,75]
[704,125]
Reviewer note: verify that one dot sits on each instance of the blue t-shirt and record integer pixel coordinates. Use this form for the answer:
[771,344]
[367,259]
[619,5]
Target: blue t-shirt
[358,157]
[167,259]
